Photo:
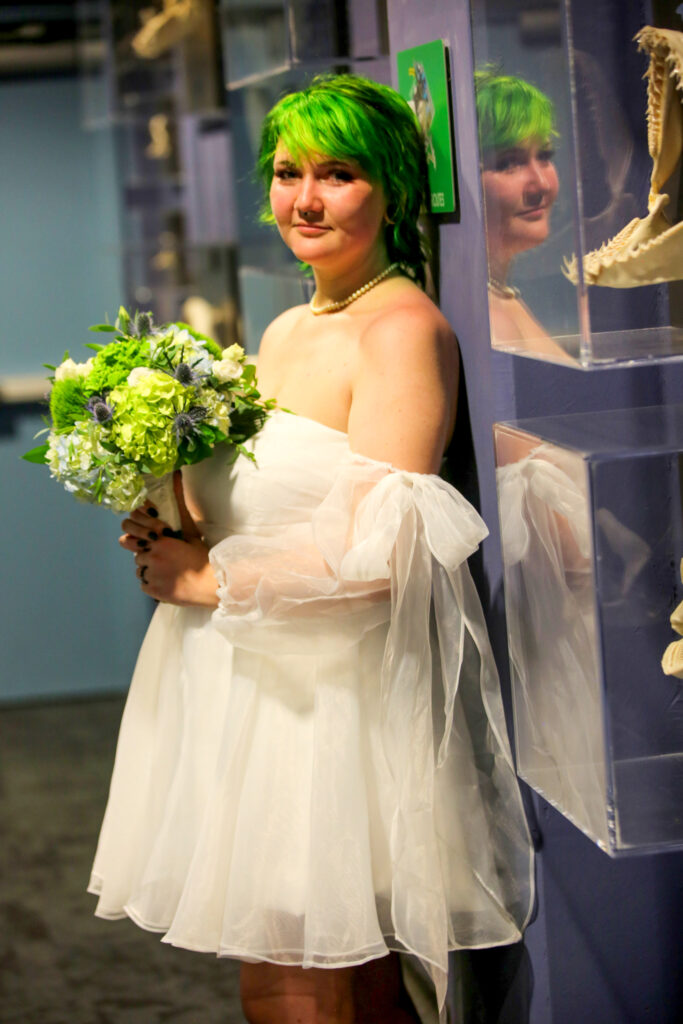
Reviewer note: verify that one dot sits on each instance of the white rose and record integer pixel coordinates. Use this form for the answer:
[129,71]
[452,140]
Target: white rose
[69,370]
[233,352]
[137,374]
[226,369]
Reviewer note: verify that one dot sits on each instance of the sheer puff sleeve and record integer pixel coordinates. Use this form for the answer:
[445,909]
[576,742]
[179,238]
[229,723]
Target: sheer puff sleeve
[387,550]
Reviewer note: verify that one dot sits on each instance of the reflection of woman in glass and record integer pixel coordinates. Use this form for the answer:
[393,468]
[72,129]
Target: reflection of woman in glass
[519,181]
[285,792]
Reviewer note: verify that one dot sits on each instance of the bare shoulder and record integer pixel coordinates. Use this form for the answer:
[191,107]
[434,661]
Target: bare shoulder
[279,330]
[411,327]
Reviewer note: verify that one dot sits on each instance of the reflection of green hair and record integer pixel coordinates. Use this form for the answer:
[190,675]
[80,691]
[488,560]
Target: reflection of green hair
[347,117]
[511,110]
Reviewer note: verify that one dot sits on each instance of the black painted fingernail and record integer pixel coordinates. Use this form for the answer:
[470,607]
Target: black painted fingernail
[141,543]
[152,512]
[152,535]
[168,532]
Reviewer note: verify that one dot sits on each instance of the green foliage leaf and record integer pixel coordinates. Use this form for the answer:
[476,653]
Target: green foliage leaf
[36,454]
[104,328]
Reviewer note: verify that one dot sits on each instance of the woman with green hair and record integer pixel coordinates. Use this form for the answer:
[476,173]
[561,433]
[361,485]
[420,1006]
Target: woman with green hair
[520,186]
[285,791]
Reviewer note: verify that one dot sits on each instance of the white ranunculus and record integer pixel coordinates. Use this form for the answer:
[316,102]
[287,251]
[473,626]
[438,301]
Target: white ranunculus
[137,373]
[69,370]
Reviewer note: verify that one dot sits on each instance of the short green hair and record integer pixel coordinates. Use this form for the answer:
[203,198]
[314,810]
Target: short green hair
[510,110]
[350,117]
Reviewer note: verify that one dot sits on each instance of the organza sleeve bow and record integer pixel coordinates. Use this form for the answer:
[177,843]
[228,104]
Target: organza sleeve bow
[324,582]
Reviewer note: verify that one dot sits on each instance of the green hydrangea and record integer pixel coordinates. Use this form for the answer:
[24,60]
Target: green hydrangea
[113,363]
[124,488]
[144,411]
[217,408]
[68,402]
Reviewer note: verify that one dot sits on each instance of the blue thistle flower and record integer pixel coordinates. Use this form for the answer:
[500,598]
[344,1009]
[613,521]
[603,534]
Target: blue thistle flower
[143,325]
[98,408]
[185,375]
[185,424]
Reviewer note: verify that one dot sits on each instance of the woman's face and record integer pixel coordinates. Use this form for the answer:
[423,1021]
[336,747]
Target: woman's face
[328,211]
[520,186]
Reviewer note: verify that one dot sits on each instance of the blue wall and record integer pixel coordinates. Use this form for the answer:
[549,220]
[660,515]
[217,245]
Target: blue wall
[605,945]
[71,613]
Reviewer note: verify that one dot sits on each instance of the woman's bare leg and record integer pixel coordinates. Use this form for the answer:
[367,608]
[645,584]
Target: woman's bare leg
[380,995]
[368,994]
[275,994]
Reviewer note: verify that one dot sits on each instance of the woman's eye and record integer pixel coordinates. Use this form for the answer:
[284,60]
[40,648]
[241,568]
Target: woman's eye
[546,155]
[341,174]
[507,163]
[285,174]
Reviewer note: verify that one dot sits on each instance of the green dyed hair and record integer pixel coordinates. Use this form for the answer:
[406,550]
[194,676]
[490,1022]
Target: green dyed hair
[347,117]
[510,110]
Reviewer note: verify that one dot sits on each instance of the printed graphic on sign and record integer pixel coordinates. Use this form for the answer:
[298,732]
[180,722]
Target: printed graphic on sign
[423,82]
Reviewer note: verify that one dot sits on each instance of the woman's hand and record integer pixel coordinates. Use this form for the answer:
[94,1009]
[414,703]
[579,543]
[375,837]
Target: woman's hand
[170,569]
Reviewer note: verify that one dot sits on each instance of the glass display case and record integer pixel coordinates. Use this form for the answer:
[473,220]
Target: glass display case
[579,112]
[268,37]
[160,84]
[591,513]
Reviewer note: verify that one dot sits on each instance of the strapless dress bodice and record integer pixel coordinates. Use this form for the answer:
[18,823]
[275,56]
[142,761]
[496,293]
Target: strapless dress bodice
[296,460]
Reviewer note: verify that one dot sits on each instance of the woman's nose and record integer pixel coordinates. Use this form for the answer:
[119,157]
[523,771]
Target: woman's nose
[538,176]
[308,198]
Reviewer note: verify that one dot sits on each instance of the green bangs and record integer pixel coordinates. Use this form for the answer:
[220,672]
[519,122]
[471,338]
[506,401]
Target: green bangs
[510,110]
[319,126]
[347,117]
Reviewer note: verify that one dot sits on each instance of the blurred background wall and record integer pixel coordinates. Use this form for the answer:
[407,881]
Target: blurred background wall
[72,617]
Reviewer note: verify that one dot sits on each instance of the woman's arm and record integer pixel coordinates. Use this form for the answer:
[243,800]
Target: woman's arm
[405,389]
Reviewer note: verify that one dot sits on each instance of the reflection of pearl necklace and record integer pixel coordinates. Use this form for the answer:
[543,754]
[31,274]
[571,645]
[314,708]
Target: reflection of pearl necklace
[506,291]
[332,307]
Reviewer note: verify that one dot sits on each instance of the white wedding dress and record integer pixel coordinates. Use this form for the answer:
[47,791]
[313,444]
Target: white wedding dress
[319,772]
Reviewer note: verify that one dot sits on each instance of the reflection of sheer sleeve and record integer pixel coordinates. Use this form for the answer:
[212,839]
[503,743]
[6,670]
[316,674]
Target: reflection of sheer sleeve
[551,631]
[388,547]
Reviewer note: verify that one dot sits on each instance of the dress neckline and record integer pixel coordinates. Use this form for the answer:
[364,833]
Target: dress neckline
[317,423]
[344,437]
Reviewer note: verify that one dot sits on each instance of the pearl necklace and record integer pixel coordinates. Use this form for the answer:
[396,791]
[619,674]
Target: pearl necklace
[506,291]
[332,307]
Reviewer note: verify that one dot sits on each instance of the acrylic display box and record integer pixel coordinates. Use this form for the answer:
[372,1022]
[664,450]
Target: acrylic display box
[268,37]
[591,512]
[551,204]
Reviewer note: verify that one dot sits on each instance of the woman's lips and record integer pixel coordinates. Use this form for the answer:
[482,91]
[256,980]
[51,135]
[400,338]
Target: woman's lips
[537,213]
[310,230]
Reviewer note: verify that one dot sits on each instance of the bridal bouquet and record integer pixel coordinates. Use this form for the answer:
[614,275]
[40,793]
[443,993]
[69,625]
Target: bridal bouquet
[150,401]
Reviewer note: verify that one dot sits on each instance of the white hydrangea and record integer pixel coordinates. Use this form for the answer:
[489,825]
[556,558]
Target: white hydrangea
[76,458]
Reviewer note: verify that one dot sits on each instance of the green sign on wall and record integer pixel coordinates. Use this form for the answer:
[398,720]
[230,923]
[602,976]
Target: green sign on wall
[423,82]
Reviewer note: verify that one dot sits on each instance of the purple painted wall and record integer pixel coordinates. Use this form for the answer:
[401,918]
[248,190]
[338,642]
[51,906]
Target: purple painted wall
[605,945]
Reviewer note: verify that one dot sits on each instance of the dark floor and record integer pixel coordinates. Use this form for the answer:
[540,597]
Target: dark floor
[58,963]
